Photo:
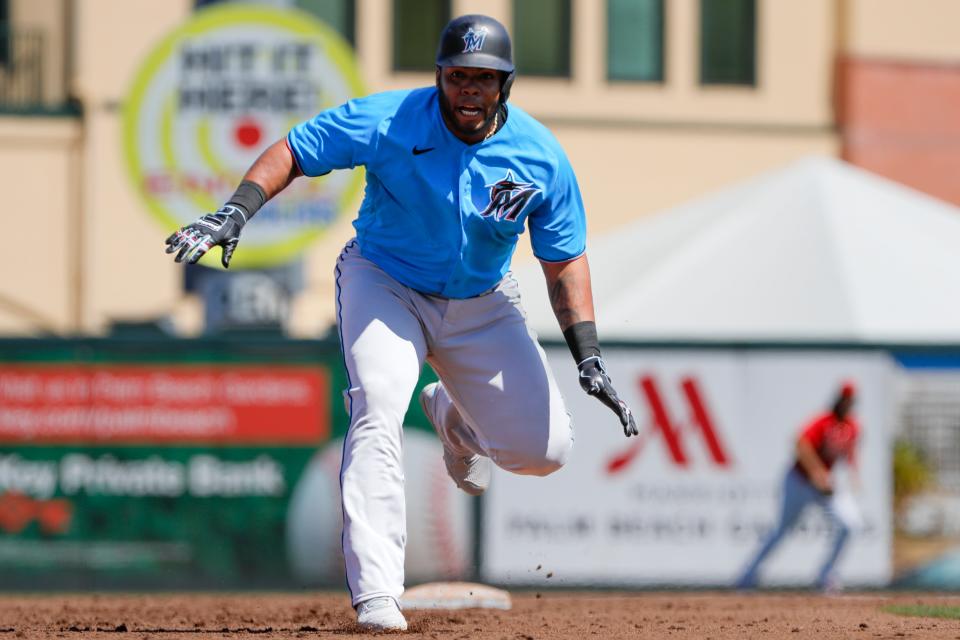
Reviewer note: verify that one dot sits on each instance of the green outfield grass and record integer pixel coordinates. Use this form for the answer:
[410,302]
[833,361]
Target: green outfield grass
[951,612]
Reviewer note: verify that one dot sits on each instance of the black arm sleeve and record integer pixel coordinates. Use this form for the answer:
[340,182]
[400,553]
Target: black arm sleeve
[582,339]
[249,196]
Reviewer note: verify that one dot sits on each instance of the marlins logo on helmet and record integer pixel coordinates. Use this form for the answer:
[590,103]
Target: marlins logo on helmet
[473,40]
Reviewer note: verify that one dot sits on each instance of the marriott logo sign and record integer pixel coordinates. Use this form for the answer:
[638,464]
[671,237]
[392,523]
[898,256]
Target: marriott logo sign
[675,433]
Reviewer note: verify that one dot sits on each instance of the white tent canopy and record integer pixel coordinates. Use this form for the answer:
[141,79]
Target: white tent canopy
[818,250]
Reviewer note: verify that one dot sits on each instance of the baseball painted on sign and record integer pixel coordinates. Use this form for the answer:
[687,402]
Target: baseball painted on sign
[439,532]
[212,96]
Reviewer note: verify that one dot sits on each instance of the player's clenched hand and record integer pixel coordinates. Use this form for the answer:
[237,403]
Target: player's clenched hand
[823,482]
[220,228]
[596,382]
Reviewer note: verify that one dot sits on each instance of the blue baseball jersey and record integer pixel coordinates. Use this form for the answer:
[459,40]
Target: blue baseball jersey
[439,215]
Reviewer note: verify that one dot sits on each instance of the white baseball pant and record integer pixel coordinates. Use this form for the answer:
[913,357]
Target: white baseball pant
[498,397]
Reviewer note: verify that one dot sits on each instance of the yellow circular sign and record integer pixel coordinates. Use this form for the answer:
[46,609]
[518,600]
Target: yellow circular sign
[212,96]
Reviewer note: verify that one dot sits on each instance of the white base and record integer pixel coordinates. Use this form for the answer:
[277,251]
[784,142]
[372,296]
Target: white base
[454,595]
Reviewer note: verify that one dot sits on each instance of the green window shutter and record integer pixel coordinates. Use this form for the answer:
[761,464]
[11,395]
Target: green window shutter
[5,31]
[416,31]
[339,14]
[728,42]
[635,40]
[541,37]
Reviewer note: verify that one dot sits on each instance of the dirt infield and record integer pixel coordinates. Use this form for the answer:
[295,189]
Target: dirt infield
[552,616]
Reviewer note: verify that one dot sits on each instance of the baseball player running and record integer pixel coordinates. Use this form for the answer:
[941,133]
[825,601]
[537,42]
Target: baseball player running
[823,441]
[454,176]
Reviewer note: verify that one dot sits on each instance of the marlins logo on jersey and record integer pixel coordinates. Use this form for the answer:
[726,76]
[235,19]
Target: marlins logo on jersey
[508,197]
[473,40]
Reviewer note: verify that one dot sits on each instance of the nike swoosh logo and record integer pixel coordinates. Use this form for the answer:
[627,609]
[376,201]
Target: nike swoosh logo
[417,151]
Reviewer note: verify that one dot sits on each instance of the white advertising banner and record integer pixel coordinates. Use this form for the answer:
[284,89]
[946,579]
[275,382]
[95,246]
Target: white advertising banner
[691,499]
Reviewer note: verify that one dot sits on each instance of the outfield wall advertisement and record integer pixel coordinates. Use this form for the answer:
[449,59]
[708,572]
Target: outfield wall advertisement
[194,464]
[689,500]
[240,404]
[166,475]
[100,487]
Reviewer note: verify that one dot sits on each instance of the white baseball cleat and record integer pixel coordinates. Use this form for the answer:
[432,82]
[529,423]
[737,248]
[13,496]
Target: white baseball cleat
[380,614]
[471,473]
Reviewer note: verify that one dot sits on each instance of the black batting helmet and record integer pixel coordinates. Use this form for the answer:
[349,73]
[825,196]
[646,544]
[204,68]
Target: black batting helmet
[478,41]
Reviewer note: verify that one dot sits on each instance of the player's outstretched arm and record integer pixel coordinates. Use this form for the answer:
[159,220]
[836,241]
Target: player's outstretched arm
[571,296]
[269,175]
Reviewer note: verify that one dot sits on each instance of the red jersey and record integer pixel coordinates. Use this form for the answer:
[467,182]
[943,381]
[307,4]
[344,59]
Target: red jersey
[831,439]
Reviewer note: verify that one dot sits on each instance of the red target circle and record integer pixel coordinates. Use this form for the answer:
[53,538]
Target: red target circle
[247,133]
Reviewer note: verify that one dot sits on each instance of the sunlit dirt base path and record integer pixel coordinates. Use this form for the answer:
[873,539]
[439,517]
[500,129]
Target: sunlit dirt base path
[550,616]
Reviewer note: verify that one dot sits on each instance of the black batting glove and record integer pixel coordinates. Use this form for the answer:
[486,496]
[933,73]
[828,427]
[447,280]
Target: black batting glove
[220,228]
[596,382]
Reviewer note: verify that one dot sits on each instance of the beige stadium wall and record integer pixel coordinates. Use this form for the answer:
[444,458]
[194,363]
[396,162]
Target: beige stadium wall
[625,174]
[125,272]
[917,30]
[795,51]
[637,149]
[39,162]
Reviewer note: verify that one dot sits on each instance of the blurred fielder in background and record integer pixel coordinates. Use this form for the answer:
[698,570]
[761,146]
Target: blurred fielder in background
[454,177]
[811,480]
